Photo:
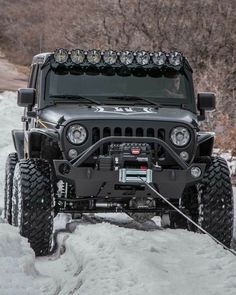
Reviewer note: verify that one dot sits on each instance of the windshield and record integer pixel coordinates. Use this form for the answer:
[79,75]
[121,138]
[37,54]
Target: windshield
[166,87]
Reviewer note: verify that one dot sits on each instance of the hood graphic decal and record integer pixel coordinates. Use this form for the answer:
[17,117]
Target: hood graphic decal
[124,110]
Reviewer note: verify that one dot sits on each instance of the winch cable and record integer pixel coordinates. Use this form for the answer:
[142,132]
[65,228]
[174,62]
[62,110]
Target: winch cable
[186,217]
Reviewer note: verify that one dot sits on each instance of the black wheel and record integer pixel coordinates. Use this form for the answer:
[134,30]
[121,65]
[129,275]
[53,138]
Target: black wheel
[11,162]
[32,203]
[216,201]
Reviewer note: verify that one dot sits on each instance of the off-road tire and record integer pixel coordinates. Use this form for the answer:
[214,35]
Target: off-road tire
[216,201]
[11,162]
[32,203]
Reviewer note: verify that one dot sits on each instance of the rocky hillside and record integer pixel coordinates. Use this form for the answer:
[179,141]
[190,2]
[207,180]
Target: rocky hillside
[11,77]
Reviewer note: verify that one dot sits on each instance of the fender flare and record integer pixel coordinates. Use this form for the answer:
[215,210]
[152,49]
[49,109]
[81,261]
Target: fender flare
[205,142]
[35,135]
[18,140]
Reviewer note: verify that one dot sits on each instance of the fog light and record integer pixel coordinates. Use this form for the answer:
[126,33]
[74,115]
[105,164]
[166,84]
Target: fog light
[184,155]
[196,172]
[72,153]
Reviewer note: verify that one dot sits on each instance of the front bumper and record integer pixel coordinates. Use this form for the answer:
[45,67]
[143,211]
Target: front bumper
[126,182]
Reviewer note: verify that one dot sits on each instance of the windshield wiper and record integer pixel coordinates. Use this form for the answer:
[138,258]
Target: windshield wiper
[75,97]
[136,98]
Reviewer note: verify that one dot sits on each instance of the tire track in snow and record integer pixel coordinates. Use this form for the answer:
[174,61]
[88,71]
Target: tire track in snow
[107,259]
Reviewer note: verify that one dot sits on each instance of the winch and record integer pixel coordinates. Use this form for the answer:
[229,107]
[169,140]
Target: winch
[133,160]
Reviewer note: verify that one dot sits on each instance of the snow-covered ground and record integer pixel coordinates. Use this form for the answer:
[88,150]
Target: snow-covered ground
[10,116]
[107,258]
[18,274]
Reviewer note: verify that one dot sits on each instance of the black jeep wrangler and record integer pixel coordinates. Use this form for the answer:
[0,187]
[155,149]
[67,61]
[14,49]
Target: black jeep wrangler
[98,126]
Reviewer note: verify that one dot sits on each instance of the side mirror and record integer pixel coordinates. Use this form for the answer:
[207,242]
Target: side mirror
[26,97]
[206,101]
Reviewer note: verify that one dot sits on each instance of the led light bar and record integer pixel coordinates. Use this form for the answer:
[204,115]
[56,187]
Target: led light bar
[126,57]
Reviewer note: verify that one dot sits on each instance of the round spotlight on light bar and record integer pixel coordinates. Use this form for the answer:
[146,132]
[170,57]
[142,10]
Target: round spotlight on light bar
[175,58]
[77,56]
[142,57]
[110,57]
[126,57]
[61,55]
[159,58]
[94,56]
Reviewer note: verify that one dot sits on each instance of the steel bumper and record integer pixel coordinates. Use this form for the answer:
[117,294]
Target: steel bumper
[124,182]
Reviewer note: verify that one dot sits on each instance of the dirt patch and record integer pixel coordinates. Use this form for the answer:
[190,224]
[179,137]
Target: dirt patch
[11,76]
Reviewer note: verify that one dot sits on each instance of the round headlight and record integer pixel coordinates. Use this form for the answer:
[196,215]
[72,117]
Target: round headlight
[61,55]
[159,58]
[180,136]
[175,58]
[94,56]
[77,56]
[126,57]
[76,134]
[110,57]
[142,57]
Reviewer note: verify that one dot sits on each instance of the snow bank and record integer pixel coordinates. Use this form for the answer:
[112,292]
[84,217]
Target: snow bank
[10,118]
[107,259]
[17,266]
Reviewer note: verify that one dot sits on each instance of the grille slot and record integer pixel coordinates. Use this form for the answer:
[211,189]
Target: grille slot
[139,132]
[150,132]
[95,135]
[161,154]
[106,133]
[128,131]
[117,131]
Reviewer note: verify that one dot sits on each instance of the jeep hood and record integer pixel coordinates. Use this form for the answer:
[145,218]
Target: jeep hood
[78,112]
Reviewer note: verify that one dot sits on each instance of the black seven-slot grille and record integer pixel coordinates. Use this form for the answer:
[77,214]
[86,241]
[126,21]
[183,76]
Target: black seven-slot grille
[98,129]
[98,133]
